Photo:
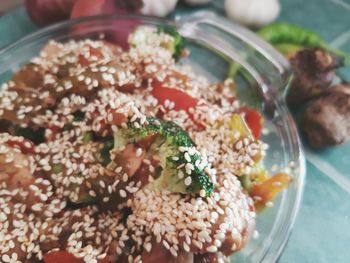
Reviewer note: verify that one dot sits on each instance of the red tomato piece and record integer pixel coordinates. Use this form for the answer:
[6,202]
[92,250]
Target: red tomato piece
[25,146]
[254,121]
[116,118]
[182,100]
[94,52]
[54,131]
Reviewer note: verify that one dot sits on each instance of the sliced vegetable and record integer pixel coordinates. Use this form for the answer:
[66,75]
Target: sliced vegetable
[182,101]
[268,190]
[254,121]
[238,125]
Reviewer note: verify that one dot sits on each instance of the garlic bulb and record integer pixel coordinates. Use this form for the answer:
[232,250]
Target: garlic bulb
[158,7]
[252,12]
[197,2]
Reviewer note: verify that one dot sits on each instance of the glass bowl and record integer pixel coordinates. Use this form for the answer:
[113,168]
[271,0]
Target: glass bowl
[263,76]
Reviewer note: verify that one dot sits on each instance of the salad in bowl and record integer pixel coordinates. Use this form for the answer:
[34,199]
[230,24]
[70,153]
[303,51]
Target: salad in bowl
[127,155]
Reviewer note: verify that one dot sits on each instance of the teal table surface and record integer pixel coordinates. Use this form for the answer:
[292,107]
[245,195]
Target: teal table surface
[322,230]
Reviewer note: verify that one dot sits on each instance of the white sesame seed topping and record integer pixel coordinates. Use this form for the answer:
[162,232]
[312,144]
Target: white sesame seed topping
[138,152]
[188,181]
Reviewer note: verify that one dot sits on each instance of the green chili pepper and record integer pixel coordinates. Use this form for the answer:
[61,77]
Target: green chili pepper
[287,49]
[283,33]
[286,33]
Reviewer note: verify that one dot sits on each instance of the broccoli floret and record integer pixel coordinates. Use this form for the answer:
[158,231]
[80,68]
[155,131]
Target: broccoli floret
[176,47]
[183,167]
[147,35]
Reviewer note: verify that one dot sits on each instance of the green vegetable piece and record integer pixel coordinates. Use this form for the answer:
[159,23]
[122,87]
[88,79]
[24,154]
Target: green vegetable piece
[57,168]
[88,137]
[105,152]
[178,45]
[280,33]
[36,136]
[78,116]
[287,49]
[172,146]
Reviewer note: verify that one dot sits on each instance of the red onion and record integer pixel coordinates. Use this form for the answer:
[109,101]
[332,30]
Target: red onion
[123,28]
[44,12]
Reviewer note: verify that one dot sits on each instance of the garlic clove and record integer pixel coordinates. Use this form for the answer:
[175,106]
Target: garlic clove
[252,12]
[159,8]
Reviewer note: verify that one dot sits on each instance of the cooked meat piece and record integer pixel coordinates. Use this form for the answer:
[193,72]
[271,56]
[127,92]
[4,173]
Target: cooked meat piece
[314,71]
[326,121]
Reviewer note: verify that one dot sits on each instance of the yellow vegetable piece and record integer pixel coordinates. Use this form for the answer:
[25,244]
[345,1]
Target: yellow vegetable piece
[268,190]
[238,125]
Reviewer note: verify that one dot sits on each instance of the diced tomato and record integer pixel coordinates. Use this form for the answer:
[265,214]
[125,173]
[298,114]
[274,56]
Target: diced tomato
[116,118]
[268,190]
[25,146]
[147,141]
[65,257]
[54,131]
[93,52]
[129,160]
[254,120]
[182,100]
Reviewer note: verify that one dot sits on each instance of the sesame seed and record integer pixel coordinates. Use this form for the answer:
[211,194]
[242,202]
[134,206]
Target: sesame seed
[188,181]
[92,193]
[122,193]
[138,152]
[212,249]
[239,145]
